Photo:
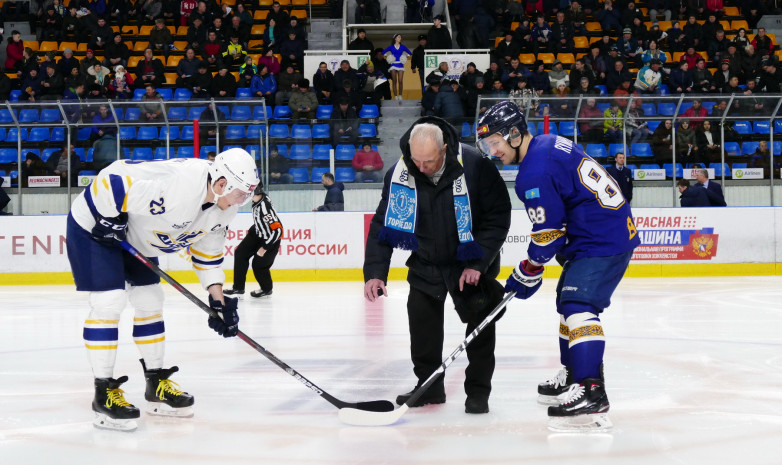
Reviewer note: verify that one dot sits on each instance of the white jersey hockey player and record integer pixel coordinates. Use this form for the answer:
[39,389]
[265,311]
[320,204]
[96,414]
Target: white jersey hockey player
[160,207]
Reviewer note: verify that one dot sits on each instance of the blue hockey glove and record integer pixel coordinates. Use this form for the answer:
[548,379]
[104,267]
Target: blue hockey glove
[525,280]
[110,231]
[228,326]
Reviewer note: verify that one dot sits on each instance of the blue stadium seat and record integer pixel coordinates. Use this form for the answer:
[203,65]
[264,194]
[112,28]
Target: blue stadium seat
[301,131]
[367,130]
[28,115]
[256,131]
[552,128]
[50,115]
[186,133]
[321,152]
[15,94]
[668,167]
[254,149]
[613,149]
[48,153]
[603,106]
[225,109]
[777,126]
[369,111]
[173,130]
[720,169]
[650,166]
[241,113]
[147,133]
[317,174]
[80,152]
[91,152]
[739,166]
[283,150]
[664,90]
[14,135]
[708,106]
[14,175]
[321,131]
[596,150]
[568,128]
[83,134]
[177,113]
[243,93]
[324,111]
[278,131]
[204,151]
[165,93]
[185,151]
[281,112]
[195,113]
[344,152]
[603,89]
[143,153]
[118,111]
[777,148]
[748,148]
[57,135]
[138,94]
[260,112]
[300,152]
[641,149]
[684,107]
[182,94]
[300,175]
[132,114]
[652,125]
[761,127]
[88,173]
[666,108]
[5,116]
[2,134]
[127,132]
[649,109]
[8,156]
[2,172]
[38,134]
[732,149]
[344,175]
[160,153]
[234,132]
[631,166]
[466,130]
[742,127]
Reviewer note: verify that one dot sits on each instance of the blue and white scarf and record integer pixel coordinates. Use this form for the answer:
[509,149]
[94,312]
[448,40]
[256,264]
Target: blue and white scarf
[400,221]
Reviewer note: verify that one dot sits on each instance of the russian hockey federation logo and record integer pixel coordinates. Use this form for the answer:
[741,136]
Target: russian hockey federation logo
[702,246]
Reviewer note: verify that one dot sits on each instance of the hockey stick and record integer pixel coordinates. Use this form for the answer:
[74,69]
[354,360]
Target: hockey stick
[358,417]
[375,405]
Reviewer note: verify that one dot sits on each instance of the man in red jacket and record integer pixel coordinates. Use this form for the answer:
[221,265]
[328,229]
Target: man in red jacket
[367,164]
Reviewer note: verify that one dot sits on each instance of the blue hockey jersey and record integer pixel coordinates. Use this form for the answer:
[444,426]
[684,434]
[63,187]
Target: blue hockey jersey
[576,208]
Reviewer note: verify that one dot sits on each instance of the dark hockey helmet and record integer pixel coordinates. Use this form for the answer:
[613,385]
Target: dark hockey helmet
[504,118]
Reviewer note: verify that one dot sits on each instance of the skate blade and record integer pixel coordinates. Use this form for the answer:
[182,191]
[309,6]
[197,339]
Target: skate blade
[103,421]
[592,423]
[165,410]
[549,400]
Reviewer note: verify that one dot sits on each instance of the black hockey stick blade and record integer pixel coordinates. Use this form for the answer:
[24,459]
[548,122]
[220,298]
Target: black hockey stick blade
[373,406]
[360,417]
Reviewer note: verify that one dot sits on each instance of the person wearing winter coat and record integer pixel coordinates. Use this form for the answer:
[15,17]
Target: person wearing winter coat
[335,200]
[303,101]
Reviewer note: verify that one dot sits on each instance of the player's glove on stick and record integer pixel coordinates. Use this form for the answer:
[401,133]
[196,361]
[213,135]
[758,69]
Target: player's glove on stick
[110,231]
[525,279]
[228,326]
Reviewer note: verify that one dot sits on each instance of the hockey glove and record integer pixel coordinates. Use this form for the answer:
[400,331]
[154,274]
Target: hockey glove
[228,326]
[525,280]
[110,231]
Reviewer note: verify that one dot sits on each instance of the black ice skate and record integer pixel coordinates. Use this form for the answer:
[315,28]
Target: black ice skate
[260,293]
[550,390]
[233,291]
[583,407]
[111,409]
[163,397]
[434,395]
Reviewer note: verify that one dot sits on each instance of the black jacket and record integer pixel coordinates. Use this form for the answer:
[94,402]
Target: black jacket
[625,180]
[695,196]
[335,201]
[434,267]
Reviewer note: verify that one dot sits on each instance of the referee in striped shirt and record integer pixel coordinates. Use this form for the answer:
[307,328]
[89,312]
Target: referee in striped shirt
[261,244]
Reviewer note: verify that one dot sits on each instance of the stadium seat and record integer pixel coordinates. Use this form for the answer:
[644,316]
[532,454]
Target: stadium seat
[254,150]
[38,134]
[28,115]
[603,106]
[300,175]
[80,152]
[127,132]
[568,129]
[708,106]
[57,135]
[466,130]
[684,107]
[613,149]
[177,113]
[344,175]
[132,114]
[778,126]
[185,151]
[344,152]
[181,94]
[666,108]
[321,152]
[147,133]
[777,148]
[367,130]
[650,166]
[143,153]
[138,94]
[241,113]
[300,152]
[278,131]
[748,148]
[596,150]
[552,128]
[324,111]
[652,125]
[234,132]
[720,169]
[47,153]
[301,131]
[641,149]
[668,167]
[282,149]
[14,96]
[243,93]
[50,115]
[195,113]
[664,90]
[649,109]
[256,131]
[761,127]
[603,89]
[8,156]
[165,93]
[186,133]
[88,173]
[317,174]
[204,151]
[14,135]
[260,112]
[321,131]
[5,116]
[160,153]
[742,127]
[739,166]
[174,133]
[281,112]
[732,149]
[369,111]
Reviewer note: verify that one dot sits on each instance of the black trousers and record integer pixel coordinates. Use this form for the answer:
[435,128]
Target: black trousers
[246,250]
[425,315]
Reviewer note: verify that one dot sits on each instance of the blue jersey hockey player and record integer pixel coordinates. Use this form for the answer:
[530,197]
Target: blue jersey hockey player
[578,211]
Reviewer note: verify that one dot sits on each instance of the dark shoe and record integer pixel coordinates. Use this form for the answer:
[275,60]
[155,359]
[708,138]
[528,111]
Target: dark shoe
[260,293]
[587,397]
[233,291]
[431,396]
[477,404]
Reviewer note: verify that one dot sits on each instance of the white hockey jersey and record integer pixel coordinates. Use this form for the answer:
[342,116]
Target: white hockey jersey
[164,201]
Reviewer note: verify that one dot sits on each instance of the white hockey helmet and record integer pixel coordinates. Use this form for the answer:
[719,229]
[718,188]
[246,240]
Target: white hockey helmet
[238,168]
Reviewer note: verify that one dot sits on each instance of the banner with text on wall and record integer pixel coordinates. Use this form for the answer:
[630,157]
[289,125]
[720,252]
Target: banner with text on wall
[457,61]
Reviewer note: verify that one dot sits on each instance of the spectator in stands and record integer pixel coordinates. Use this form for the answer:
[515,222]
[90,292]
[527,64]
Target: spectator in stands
[735,59]
[223,84]
[428,99]
[152,9]
[718,46]
[648,79]
[201,83]
[662,142]
[713,189]
[708,144]
[185,8]
[686,149]
[345,72]
[208,128]
[368,11]
[241,31]
[233,55]
[32,166]
[344,123]
[474,102]
[676,38]
[741,40]
[628,46]
[160,38]
[710,28]
[623,91]
[469,76]
[292,50]
[323,83]
[196,34]
[5,86]
[52,84]
[577,18]
[212,50]
[656,34]
[597,63]
[693,33]
[278,167]
[287,83]
[524,96]
[522,35]
[351,95]
[613,123]
[622,175]
[396,55]
[367,164]
[51,27]
[750,63]
[762,159]
[591,122]
[72,26]
[763,43]
[752,104]
[335,201]
[438,37]
[539,80]
[653,52]
[696,114]
[361,43]
[121,85]
[606,43]
[100,34]
[495,71]
[438,75]
[616,76]
[448,104]
[703,80]
[659,7]
[507,48]
[691,57]
[562,106]
[680,81]
[722,75]
[585,88]
[541,34]
[98,74]
[14,51]
[613,57]
[117,52]
[732,87]
[558,75]
[609,17]
[187,68]
[273,35]
[373,85]
[67,62]
[151,110]
[497,91]
[272,63]
[637,126]
[303,102]
[150,70]
[513,71]
[32,86]
[769,77]
[247,71]
[417,64]
[103,124]
[58,165]
[692,196]
[579,70]
[71,103]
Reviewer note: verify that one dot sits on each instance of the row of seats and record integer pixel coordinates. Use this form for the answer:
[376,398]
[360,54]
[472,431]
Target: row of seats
[304,175]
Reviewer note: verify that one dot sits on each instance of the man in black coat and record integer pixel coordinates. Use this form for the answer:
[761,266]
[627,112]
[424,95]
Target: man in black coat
[713,190]
[446,258]
[439,38]
[692,196]
[622,175]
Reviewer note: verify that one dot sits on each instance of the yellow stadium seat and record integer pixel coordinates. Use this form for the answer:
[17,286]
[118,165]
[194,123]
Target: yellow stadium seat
[170,78]
[284,2]
[300,2]
[665,25]
[132,30]
[738,24]
[265,2]
[82,47]
[593,26]
[323,2]
[566,58]
[547,58]
[180,44]
[497,41]
[32,44]
[581,42]
[731,11]
[725,25]
[260,15]
[677,56]
[115,28]
[133,61]
[299,14]
[258,29]
[140,46]
[182,30]
[145,31]
[47,46]
[173,61]
[255,43]
[527,58]
[70,45]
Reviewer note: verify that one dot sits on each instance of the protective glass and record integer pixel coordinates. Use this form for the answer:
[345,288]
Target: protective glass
[489,145]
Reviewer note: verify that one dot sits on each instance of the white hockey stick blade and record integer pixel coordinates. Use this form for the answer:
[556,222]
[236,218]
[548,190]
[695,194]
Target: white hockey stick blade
[594,423]
[356,417]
